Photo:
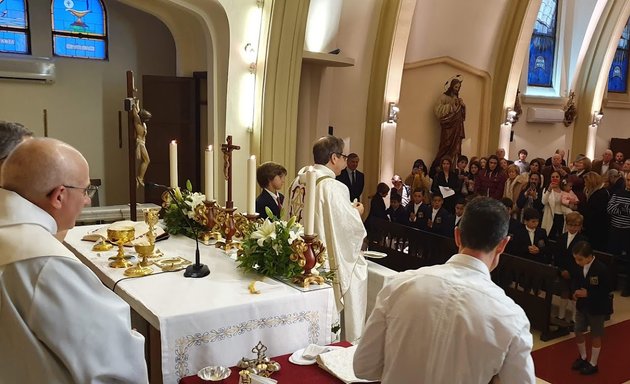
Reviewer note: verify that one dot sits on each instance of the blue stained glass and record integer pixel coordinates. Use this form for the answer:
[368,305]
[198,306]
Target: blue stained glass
[78,47]
[618,74]
[79,16]
[14,42]
[13,14]
[79,29]
[542,47]
[14,26]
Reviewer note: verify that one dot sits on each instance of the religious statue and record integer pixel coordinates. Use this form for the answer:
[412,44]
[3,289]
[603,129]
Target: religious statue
[140,118]
[451,112]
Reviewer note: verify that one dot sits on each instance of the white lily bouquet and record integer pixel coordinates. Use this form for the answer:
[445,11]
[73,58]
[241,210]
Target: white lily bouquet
[188,203]
[270,248]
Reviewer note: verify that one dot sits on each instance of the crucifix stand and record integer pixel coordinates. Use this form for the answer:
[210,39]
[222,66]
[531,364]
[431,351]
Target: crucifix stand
[229,226]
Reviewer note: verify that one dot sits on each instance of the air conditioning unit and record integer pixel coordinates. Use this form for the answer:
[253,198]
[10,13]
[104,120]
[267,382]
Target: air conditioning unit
[545,115]
[37,69]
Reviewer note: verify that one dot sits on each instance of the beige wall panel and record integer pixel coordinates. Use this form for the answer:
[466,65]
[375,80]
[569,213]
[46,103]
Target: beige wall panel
[418,131]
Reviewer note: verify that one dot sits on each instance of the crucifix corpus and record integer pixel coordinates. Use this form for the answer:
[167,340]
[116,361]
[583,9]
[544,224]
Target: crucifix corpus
[227,168]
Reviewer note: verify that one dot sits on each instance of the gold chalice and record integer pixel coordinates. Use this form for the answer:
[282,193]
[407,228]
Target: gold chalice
[121,235]
[142,268]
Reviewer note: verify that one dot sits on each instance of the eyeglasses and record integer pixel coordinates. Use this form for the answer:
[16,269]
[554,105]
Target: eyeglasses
[345,157]
[89,191]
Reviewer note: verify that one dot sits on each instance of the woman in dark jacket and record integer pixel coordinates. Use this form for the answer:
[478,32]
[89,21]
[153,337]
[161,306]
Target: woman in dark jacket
[596,220]
[448,179]
[491,181]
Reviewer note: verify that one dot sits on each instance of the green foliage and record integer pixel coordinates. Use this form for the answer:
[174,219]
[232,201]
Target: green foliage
[267,249]
[174,218]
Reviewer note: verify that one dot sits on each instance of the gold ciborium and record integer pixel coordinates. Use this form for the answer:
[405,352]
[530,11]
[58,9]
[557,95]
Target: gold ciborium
[121,235]
[142,268]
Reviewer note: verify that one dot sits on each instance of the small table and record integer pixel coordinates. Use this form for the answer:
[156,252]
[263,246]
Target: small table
[289,373]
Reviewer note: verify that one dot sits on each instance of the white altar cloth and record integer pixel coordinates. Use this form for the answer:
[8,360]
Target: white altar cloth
[213,320]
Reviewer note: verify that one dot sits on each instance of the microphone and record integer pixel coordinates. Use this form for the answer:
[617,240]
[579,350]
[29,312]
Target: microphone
[197,269]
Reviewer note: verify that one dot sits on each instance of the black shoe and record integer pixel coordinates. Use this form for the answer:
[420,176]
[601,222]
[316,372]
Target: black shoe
[579,363]
[588,369]
[561,322]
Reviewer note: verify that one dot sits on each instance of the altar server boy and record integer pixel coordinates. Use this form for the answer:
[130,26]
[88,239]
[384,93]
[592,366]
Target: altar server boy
[270,176]
[592,291]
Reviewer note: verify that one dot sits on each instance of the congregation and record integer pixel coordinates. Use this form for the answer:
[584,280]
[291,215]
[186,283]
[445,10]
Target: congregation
[543,192]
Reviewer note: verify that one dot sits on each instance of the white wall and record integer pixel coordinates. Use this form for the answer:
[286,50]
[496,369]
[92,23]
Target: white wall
[464,30]
[84,101]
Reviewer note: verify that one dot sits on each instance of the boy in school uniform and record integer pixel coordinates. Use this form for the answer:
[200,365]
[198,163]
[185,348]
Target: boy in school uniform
[439,221]
[396,212]
[530,240]
[563,257]
[459,212]
[270,176]
[592,289]
[417,210]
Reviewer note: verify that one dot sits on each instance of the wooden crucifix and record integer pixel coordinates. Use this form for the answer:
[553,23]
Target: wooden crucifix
[131,90]
[227,168]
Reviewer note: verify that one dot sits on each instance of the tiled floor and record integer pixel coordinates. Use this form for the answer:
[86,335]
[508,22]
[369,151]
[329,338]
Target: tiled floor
[622,313]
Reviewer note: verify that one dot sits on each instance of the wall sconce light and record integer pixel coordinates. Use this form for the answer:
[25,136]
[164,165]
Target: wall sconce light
[250,57]
[510,115]
[597,117]
[260,3]
[392,112]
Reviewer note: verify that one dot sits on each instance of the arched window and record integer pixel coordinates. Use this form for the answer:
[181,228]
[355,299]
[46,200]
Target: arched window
[79,29]
[542,48]
[14,30]
[618,75]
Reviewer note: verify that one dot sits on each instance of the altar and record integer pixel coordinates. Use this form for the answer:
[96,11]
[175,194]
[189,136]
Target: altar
[213,320]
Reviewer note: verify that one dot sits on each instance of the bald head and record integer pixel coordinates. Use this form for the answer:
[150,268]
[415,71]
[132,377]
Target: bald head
[38,166]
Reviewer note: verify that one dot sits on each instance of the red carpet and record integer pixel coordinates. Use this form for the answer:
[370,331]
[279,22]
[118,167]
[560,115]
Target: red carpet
[553,363]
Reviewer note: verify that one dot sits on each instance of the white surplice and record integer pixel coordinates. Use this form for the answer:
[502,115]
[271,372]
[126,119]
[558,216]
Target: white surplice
[58,323]
[338,225]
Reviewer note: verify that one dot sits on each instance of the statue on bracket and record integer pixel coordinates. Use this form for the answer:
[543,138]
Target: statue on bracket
[451,113]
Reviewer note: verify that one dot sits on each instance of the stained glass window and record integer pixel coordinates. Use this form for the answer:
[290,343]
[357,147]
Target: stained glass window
[618,75]
[79,29]
[14,31]
[542,48]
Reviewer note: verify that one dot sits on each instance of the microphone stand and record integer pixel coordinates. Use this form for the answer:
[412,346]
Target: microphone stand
[197,269]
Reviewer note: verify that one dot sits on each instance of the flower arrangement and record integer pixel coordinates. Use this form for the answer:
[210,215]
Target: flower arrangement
[268,247]
[187,204]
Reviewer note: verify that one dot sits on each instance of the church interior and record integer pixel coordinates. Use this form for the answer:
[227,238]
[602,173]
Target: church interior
[278,74]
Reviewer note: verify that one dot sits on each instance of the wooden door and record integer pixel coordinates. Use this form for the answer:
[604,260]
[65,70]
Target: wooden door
[171,101]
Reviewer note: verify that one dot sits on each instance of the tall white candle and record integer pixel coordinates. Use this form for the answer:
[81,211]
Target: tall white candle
[251,185]
[309,207]
[209,154]
[172,157]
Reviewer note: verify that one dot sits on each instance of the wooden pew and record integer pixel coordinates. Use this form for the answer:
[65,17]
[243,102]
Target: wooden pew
[531,286]
[399,242]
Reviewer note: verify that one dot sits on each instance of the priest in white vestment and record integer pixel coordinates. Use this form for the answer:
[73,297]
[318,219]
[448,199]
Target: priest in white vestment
[338,225]
[58,323]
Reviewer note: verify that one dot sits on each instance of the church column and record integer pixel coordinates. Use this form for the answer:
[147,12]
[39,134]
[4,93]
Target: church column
[593,78]
[283,42]
[511,49]
[376,111]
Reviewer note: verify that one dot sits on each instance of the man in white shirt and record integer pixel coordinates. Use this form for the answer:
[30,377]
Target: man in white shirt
[58,323]
[450,323]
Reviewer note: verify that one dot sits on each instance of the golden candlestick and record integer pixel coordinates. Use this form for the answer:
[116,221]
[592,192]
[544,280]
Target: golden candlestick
[120,236]
[308,252]
[151,217]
